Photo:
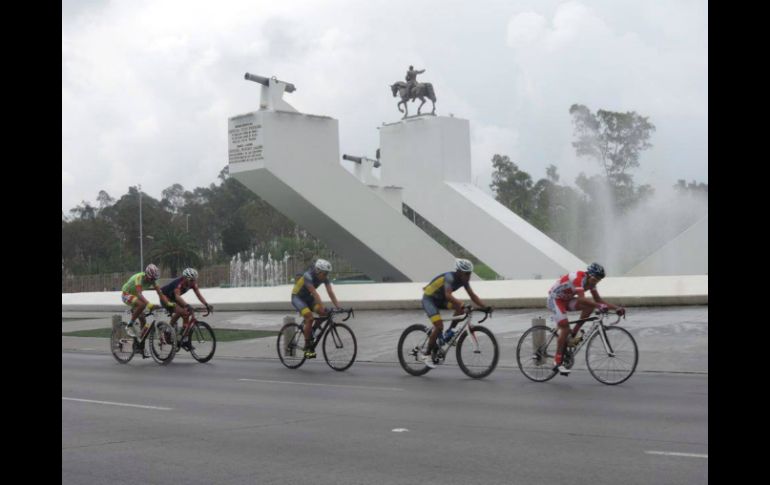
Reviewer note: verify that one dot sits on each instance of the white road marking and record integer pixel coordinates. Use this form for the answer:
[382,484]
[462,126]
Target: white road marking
[323,385]
[400,430]
[672,453]
[117,404]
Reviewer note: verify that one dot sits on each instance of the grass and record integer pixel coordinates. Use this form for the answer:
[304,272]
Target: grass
[222,334]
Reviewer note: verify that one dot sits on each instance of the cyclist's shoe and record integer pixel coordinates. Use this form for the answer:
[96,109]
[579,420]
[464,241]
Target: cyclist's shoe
[563,370]
[129,330]
[310,354]
[427,360]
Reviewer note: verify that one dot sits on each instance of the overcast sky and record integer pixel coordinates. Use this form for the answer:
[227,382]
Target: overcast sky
[147,86]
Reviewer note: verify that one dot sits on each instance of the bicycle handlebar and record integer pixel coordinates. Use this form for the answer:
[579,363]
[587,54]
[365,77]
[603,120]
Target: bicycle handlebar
[605,313]
[337,311]
[469,310]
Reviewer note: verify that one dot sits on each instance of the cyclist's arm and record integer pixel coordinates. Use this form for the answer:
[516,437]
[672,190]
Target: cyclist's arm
[475,297]
[316,296]
[332,296]
[140,290]
[178,297]
[457,304]
[200,297]
[140,295]
[163,299]
[580,295]
[600,300]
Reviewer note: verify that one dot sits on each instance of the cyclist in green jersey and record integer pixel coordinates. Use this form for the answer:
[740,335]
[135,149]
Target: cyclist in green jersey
[133,297]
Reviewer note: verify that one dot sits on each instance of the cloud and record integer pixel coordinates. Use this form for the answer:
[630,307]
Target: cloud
[147,86]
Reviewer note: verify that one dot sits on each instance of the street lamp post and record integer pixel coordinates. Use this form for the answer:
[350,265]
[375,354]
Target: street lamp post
[141,246]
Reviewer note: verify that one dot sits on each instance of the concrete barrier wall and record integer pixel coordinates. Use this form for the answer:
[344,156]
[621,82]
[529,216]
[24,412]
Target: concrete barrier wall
[628,291]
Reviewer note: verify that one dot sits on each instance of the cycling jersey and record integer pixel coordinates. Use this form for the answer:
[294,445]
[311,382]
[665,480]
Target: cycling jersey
[182,283]
[301,297]
[308,281]
[444,281]
[569,285]
[136,283]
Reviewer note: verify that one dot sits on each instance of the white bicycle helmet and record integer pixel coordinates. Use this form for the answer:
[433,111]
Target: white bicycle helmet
[463,265]
[152,272]
[323,265]
[190,274]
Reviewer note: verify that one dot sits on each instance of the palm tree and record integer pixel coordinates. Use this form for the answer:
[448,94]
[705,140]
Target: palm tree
[175,249]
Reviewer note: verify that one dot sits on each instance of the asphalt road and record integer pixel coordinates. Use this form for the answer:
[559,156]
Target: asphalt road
[254,421]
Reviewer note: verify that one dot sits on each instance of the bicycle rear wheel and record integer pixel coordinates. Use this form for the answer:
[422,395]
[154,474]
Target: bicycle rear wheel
[535,353]
[202,342]
[413,342]
[477,355]
[340,347]
[121,344]
[615,364]
[162,343]
[291,345]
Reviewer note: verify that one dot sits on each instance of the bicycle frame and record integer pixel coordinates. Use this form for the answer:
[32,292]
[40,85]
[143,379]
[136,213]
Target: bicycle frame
[192,322]
[142,334]
[325,323]
[467,327]
[597,326]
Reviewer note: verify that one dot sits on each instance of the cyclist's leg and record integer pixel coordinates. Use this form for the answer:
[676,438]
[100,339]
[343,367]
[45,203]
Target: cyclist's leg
[186,313]
[431,309]
[559,317]
[585,311]
[137,307]
[304,310]
[457,312]
[178,312]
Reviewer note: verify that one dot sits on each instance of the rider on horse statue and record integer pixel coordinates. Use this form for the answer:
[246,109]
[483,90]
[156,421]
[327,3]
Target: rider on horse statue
[411,81]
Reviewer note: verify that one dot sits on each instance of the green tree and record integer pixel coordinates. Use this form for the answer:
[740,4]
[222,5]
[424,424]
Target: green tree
[172,198]
[513,187]
[175,250]
[616,141]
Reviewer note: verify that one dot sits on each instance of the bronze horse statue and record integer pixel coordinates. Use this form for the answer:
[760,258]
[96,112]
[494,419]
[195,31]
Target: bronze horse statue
[421,90]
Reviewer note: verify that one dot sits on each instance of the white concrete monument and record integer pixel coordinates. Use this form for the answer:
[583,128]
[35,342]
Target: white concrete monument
[686,254]
[292,161]
[429,157]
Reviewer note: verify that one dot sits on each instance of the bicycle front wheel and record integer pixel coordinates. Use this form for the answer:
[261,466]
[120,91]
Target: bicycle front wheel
[615,362]
[163,343]
[413,342]
[478,353]
[340,347]
[291,345]
[202,342]
[535,353]
[122,345]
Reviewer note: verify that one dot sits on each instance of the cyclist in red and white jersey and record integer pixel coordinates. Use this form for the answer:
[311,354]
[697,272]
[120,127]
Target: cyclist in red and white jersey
[568,294]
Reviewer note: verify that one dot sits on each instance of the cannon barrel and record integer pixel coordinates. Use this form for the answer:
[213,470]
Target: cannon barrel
[290,88]
[361,160]
[351,158]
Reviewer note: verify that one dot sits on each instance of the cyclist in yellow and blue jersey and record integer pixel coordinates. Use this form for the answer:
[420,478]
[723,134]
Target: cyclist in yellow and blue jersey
[306,299]
[438,294]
